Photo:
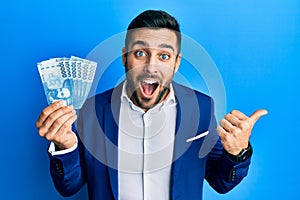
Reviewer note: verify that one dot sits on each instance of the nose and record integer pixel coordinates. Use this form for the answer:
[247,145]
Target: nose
[151,66]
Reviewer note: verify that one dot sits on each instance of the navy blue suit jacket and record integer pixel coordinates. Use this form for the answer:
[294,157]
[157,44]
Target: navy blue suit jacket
[95,160]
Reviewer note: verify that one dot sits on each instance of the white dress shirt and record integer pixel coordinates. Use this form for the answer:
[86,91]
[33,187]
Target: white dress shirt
[145,146]
[146,141]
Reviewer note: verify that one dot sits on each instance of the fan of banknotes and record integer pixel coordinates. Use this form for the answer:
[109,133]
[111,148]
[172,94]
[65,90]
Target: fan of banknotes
[67,79]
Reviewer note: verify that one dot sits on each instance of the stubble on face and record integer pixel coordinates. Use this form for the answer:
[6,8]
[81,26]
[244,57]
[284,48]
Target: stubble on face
[150,65]
[143,102]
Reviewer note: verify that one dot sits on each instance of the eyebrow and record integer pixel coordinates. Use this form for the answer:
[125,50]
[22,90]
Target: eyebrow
[145,44]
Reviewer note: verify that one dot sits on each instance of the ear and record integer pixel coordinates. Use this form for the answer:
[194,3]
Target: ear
[177,62]
[124,56]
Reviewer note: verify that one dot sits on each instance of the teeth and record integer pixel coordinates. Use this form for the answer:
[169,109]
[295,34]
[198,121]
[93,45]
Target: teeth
[149,81]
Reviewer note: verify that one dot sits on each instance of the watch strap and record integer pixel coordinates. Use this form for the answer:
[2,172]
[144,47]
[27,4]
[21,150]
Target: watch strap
[243,155]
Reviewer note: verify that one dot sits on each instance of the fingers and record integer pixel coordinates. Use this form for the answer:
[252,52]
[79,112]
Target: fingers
[226,125]
[231,123]
[232,126]
[258,114]
[55,124]
[55,119]
[233,138]
[235,121]
[47,111]
[64,138]
[60,122]
[221,131]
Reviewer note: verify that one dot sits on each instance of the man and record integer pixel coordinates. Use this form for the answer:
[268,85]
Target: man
[149,138]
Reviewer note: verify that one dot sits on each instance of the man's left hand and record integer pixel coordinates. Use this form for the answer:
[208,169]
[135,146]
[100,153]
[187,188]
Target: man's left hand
[235,130]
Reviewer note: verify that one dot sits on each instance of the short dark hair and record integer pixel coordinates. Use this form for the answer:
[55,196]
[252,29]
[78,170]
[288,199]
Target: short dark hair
[154,19]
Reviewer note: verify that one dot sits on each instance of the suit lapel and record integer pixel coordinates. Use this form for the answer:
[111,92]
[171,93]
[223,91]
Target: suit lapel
[111,118]
[187,122]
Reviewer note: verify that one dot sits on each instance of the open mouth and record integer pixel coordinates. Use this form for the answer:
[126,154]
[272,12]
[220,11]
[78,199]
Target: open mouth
[149,87]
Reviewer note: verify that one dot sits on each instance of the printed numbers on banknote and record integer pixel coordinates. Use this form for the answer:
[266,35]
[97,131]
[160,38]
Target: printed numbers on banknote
[67,79]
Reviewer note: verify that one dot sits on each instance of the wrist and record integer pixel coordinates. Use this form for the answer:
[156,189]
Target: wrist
[243,155]
[67,145]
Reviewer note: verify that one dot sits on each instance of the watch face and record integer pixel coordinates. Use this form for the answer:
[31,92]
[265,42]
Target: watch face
[245,153]
[242,156]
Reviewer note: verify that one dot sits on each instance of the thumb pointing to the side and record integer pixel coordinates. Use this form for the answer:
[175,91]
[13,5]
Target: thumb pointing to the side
[258,114]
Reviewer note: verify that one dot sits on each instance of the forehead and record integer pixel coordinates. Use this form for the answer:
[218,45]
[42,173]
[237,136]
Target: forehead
[153,38]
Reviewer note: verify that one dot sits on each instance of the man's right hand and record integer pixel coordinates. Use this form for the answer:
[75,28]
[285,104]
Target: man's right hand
[55,124]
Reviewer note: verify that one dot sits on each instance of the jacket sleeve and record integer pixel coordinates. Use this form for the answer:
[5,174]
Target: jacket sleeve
[222,173]
[67,172]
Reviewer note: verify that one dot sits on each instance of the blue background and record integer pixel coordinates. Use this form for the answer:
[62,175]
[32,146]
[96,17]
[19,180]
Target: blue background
[255,45]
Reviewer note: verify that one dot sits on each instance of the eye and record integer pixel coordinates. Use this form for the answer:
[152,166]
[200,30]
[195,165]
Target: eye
[140,53]
[164,56]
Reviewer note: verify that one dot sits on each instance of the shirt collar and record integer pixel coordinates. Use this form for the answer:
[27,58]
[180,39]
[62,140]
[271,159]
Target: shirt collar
[169,101]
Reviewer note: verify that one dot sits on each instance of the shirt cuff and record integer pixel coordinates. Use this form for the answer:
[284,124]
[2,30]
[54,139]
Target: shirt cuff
[52,151]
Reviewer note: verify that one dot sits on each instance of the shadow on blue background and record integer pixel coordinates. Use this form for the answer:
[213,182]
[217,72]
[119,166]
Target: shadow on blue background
[255,45]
